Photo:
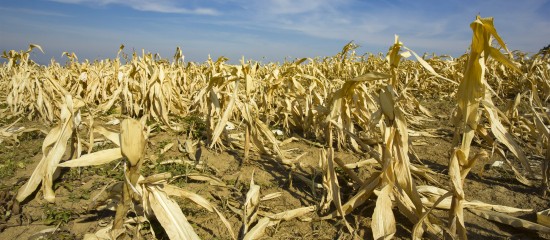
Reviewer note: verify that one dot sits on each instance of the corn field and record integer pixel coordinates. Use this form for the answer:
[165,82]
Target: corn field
[370,106]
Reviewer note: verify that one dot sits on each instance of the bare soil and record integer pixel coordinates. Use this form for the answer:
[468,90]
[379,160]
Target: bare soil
[75,213]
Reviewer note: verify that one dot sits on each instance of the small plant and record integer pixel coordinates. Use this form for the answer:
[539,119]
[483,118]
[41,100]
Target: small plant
[78,194]
[9,167]
[195,126]
[56,215]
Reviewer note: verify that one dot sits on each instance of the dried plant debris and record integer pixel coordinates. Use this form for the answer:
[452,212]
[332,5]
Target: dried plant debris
[368,106]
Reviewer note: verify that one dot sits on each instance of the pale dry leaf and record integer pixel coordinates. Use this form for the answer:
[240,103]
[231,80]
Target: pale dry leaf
[170,216]
[94,159]
[132,140]
[258,230]
[511,220]
[225,117]
[383,221]
[175,191]
[543,217]
[166,148]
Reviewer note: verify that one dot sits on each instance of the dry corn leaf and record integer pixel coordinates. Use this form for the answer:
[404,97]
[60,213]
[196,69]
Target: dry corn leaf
[175,191]
[225,117]
[112,136]
[202,177]
[497,208]
[57,139]
[271,196]
[132,140]
[543,217]
[383,220]
[418,231]
[502,135]
[361,163]
[431,194]
[166,148]
[402,165]
[258,230]
[101,234]
[335,187]
[94,159]
[428,67]
[360,197]
[169,214]
[387,103]
[250,205]
[371,76]
[155,178]
[12,132]
[358,182]
[510,220]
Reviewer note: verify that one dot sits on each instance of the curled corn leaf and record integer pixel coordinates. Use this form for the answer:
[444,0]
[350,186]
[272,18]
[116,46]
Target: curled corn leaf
[132,140]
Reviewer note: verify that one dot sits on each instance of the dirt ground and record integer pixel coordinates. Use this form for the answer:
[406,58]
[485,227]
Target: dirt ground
[75,212]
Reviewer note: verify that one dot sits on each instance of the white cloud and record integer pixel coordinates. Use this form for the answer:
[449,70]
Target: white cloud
[161,6]
[279,28]
[294,6]
[34,12]
[442,27]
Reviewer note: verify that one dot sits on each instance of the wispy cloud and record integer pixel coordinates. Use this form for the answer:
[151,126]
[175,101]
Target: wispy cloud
[33,12]
[272,29]
[284,7]
[161,6]
[434,26]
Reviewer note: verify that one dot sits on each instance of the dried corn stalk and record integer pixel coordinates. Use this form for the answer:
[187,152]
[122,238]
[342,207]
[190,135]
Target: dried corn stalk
[53,149]
[132,147]
[471,91]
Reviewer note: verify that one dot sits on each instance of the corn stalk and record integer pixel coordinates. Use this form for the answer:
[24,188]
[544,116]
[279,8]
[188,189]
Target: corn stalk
[471,90]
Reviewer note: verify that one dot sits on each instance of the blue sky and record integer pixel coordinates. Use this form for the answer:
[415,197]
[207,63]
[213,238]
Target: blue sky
[263,30]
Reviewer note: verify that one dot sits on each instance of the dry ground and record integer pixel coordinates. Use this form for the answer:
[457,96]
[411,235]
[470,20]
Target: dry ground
[75,213]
